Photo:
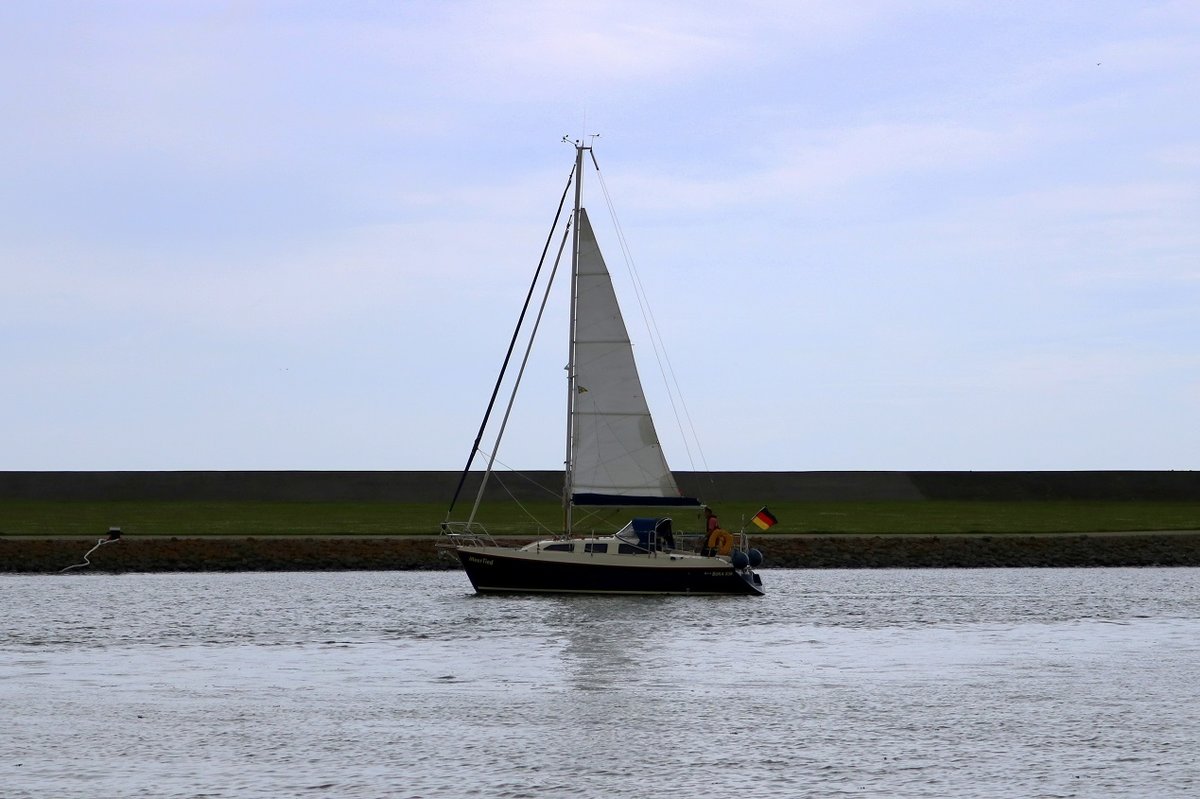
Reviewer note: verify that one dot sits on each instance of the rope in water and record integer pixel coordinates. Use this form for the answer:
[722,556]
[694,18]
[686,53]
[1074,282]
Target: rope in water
[114,535]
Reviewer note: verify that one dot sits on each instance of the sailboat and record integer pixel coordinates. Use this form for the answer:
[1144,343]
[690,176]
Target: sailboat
[613,460]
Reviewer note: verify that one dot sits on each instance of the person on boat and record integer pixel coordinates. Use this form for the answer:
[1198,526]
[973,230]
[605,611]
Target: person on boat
[710,526]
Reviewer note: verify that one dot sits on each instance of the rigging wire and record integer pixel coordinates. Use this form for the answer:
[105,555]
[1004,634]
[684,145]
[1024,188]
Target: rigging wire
[598,514]
[511,344]
[554,492]
[513,496]
[656,339]
[521,372]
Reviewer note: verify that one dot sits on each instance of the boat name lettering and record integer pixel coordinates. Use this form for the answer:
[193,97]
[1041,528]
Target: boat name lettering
[481,561]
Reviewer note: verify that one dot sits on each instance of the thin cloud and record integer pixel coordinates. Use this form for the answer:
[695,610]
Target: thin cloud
[919,218]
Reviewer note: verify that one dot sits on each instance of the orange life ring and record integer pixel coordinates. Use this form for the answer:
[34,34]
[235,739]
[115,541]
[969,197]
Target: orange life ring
[720,541]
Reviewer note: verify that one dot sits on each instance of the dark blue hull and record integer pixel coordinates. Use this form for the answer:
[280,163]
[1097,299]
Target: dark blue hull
[492,571]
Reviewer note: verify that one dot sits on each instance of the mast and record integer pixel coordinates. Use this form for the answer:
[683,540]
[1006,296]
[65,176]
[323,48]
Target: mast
[570,459]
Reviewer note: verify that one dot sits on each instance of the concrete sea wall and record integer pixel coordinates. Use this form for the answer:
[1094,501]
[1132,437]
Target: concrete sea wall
[344,486]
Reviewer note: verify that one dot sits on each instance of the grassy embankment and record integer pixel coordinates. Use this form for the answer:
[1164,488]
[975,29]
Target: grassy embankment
[299,536]
[45,518]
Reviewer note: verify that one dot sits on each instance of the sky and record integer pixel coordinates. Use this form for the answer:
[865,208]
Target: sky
[874,235]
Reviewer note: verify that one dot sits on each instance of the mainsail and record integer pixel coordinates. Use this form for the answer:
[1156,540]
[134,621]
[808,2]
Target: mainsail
[617,459]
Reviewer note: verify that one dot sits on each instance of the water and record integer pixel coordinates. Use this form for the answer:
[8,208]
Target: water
[951,683]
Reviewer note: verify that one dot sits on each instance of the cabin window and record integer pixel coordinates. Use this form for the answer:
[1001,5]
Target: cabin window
[557,547]
[601,548]
[630,549]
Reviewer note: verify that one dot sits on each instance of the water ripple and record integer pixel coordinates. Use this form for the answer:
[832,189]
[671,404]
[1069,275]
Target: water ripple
[1049,683]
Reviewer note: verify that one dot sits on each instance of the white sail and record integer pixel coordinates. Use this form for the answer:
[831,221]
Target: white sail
[616,452]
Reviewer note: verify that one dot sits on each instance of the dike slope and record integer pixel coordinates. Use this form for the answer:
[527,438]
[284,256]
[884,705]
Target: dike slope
[228,553]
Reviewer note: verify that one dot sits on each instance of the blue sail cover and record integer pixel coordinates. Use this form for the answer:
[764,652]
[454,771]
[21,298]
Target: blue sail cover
[626,500]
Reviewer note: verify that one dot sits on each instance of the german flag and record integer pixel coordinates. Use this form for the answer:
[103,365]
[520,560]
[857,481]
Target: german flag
[764,519]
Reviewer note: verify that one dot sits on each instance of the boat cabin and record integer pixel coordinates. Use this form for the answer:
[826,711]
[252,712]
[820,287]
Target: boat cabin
[641,536]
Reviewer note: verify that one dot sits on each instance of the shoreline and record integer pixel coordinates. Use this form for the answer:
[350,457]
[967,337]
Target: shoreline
[135,554]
